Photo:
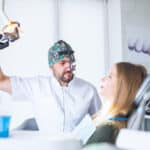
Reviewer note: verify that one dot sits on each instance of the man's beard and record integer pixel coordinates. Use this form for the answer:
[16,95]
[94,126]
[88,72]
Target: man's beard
[66,79]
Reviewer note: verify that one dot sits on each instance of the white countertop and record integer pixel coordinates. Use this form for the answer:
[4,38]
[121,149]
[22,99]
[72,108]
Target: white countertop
[34,140]
[133,139]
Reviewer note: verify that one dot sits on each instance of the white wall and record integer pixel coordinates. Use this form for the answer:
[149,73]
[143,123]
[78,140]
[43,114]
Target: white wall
[28,55]
[114,31]
[136,23]
[128,19]
[82,25]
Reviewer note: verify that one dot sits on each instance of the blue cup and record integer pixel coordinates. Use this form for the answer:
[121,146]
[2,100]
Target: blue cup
[4,126]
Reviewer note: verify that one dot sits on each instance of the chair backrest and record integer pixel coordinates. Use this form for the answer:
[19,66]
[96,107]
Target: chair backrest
[143,95]
[145,87]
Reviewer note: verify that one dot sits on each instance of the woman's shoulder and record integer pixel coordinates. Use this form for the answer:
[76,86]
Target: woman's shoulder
[106,132]
[108,127]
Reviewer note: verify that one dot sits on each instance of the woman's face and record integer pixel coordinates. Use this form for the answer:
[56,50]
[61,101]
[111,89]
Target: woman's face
[108,84]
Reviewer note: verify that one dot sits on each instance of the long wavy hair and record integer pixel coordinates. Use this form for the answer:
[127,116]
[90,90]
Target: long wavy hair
[129,78]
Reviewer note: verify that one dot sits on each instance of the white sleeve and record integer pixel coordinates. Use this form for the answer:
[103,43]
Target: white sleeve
[23,88]
[95,104]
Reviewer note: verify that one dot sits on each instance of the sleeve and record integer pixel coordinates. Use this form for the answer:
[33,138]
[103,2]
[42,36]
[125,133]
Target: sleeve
[23,88]
[95,104]
[104,133]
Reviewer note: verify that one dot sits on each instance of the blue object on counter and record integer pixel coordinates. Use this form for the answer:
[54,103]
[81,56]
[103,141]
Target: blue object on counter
[4,126]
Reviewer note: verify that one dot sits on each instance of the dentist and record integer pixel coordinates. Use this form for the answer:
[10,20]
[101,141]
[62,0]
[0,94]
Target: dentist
[61,100]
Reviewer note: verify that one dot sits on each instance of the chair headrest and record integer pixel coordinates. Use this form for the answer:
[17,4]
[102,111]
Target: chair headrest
[144,88]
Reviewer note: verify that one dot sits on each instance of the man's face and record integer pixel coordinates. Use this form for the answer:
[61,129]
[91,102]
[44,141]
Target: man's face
[62,71]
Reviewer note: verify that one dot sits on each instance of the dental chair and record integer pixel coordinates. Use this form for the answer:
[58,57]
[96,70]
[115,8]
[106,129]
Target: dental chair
[137,119]
[136,136]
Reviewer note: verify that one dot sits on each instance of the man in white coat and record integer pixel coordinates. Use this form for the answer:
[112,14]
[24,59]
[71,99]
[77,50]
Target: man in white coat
[60,101]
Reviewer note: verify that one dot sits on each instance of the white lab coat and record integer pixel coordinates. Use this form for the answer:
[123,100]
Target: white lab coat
[57,108]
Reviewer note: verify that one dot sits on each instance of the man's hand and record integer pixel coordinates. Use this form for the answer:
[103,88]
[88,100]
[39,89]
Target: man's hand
[5,84]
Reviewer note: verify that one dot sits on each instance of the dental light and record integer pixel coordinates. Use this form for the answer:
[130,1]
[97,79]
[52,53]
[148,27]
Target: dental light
[10,32]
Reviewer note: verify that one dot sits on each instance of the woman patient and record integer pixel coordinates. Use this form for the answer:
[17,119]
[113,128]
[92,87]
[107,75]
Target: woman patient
[119,88]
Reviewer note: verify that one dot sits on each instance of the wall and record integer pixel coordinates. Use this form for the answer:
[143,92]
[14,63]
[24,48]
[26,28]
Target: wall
[82,25]
[28,55]
[136,31]
[128,20]
[114,32]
